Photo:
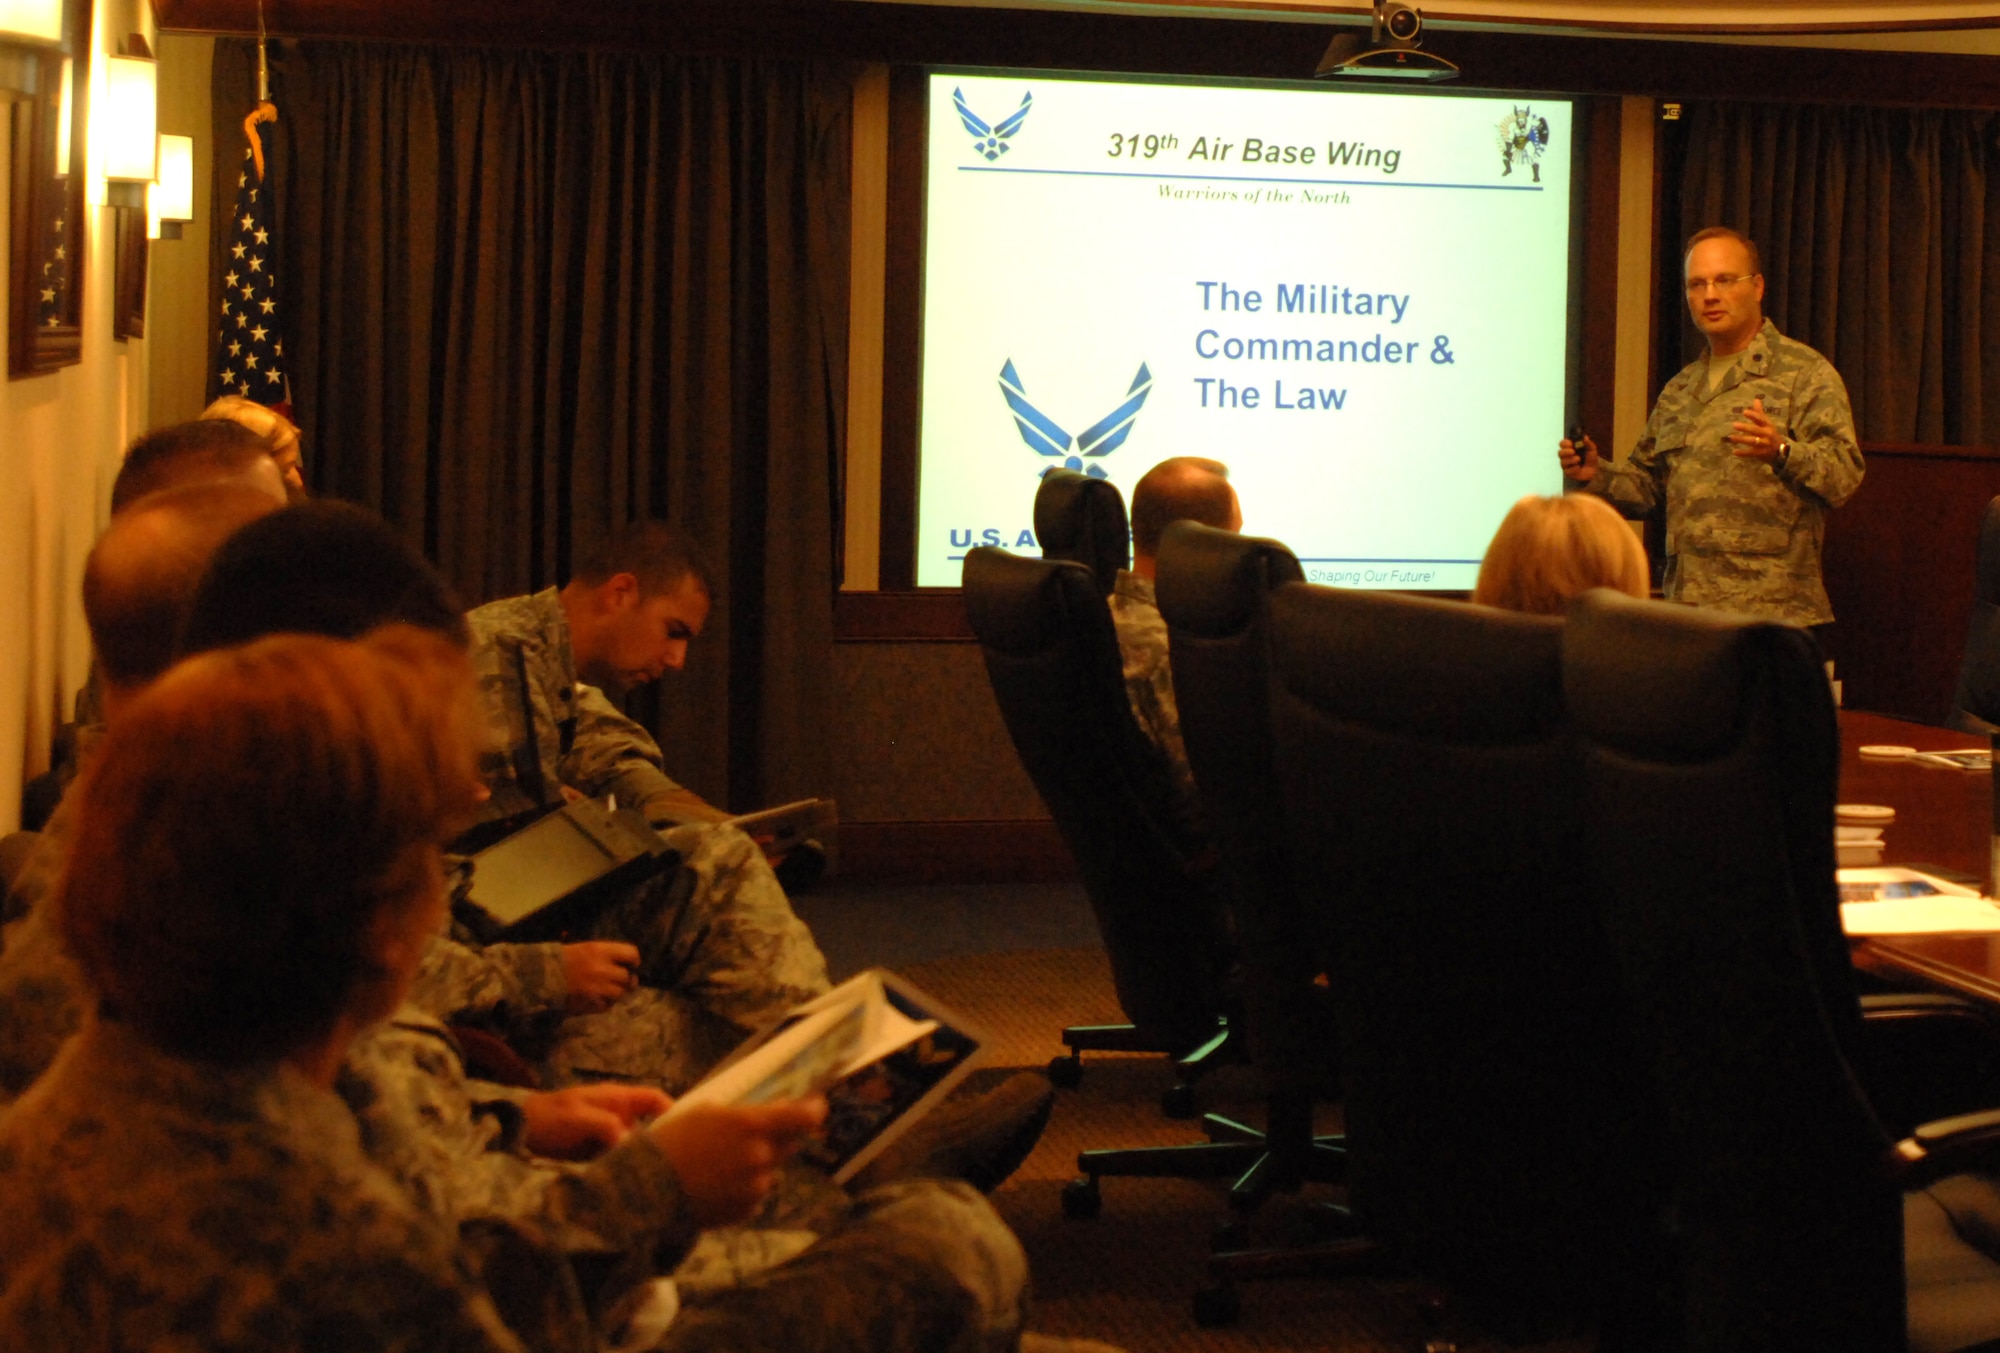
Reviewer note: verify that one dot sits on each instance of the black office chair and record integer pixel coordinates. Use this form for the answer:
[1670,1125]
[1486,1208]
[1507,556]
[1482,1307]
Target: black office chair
[1083,520]
[1213,588]
[1975,707]
[1711,757]
[1498,1138]
[1052,657]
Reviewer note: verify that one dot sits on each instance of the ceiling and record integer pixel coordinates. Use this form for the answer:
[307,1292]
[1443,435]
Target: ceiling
[1910,25]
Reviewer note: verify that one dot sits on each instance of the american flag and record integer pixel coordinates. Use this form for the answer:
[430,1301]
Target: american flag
[250,355]
[53,286]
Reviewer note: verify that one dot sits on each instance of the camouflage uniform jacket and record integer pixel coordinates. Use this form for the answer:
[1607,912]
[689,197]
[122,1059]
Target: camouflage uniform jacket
[155,1203]
[510,987]
[455,1147]
[580,738]
[42,995]
[1149,685]
[1743,534]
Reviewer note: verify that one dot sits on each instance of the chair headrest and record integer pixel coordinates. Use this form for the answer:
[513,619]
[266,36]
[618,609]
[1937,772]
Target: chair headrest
[1399,663]
[1027,606]
[1210,581]
[1083,520]
[1656,680]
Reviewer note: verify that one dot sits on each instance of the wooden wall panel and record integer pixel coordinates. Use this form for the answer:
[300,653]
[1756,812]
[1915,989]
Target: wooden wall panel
[1899,566]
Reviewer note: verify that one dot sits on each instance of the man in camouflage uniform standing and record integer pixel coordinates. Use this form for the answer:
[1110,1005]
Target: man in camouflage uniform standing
[1750,446]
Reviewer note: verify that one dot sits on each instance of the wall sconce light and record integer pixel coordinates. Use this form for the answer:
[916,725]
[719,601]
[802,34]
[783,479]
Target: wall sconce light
[37,22]
[129,120]
[28,28]
[170,200]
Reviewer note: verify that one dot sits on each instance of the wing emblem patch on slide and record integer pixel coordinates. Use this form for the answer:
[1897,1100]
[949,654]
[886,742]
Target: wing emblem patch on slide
[1101,438]
[991,141]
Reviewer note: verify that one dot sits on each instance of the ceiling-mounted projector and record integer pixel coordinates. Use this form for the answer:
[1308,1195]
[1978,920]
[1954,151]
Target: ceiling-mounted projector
[1391,52]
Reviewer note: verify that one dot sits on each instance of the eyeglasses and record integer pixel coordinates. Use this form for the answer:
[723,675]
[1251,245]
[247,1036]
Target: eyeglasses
[1697,285]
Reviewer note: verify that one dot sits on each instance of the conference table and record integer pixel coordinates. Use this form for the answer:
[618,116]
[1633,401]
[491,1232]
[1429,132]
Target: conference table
[1944,820]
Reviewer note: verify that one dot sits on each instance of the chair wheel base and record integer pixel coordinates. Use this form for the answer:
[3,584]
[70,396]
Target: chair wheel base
[1081,1199]
[1066,1073]
[1215,1307]
[1177,1101]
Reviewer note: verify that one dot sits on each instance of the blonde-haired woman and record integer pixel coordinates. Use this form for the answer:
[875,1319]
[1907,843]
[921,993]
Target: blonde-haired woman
[1549,551]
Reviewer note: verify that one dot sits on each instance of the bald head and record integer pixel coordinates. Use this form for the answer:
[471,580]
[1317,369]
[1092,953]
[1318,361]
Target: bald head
[143,571]
[205,451]
[1185,488]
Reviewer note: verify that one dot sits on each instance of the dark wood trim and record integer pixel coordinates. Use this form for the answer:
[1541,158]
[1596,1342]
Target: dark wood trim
[1901,962]
[902,328]
[1916,451]
[131,251]
[38,197]
[1181,44]
[1027,850]
[935,615]
[1597,364]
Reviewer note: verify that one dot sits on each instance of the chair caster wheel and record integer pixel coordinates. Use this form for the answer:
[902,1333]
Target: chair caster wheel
[1228,1235]
[1065,1073]
[1177,1101]
[1215,1307]
[1081,1199]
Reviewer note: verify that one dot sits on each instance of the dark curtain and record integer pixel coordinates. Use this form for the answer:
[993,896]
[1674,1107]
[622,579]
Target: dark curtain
[1880,230]
[533,294]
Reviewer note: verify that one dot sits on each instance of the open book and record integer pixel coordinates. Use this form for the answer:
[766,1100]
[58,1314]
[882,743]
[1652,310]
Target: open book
[883,1053]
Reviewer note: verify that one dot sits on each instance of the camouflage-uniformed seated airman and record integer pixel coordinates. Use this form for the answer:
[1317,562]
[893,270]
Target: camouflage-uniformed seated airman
[676,973]
[1749,448]
[1185,488]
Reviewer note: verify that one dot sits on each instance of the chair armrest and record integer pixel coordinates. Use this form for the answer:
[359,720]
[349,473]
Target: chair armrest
[1948,1146]
[1919,1004]
[1927,1057]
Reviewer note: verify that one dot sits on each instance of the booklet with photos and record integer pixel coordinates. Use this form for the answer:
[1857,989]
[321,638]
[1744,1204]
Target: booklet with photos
[882,1052]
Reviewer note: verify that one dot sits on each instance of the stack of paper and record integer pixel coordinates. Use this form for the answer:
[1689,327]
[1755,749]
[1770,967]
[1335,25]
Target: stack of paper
[1857,846]
[1905,902]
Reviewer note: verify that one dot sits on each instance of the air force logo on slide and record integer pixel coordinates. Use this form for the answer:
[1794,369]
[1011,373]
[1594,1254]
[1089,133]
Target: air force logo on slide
[991,141]
[1101,438]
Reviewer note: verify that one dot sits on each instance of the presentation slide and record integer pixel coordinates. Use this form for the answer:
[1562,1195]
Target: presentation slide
[1358,300]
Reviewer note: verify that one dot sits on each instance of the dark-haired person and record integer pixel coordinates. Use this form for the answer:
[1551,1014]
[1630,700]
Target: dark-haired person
[1749,447]
[1184,488]
[200,452]
[177,456]
[624,619]
[137,585]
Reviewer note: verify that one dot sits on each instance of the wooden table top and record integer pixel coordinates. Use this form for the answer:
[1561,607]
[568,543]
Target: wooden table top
[1944,818]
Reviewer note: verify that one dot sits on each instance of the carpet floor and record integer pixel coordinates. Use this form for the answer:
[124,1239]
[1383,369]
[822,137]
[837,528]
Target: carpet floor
[1129,1275]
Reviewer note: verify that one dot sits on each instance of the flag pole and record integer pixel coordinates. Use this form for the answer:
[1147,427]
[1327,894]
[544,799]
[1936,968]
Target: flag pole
[266,111]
